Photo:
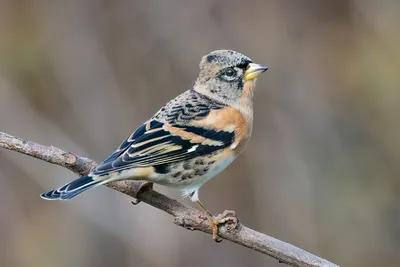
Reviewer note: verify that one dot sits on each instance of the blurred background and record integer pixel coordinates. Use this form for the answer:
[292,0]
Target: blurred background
[321,171]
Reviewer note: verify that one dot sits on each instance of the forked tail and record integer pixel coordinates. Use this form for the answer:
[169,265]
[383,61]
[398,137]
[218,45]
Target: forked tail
[73,188]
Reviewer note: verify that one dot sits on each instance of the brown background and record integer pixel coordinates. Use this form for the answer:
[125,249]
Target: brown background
[321,171]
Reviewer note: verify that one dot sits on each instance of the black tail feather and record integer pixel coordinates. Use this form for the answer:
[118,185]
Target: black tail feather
[72,189]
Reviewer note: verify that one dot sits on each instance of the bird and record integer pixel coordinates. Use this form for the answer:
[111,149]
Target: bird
[191,139]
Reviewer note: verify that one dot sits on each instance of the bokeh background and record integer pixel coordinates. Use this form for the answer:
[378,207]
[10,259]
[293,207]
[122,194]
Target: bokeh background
[321,171]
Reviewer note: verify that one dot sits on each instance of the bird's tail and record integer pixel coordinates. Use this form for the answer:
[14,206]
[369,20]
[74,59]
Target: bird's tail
[73,188]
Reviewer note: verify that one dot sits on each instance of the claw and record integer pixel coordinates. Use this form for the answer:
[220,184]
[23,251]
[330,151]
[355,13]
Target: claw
[135,202]
[214,225]
[228,218]
[140,188]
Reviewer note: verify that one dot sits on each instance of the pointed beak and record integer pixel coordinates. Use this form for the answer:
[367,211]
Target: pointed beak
[254,70]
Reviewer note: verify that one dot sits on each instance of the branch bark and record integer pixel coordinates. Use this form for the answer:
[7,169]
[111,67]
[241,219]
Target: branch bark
[183,215]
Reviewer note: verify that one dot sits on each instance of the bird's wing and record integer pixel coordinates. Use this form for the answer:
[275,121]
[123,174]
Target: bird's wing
[157,143]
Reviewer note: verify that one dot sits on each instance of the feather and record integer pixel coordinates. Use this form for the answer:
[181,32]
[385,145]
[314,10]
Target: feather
[162,143]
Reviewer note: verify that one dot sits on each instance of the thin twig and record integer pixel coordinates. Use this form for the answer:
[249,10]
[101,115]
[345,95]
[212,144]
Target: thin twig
[184,215]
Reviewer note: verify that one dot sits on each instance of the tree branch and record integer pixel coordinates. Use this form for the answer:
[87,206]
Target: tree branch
[184,215]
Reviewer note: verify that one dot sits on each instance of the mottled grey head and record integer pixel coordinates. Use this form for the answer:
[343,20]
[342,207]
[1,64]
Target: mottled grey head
[225,73]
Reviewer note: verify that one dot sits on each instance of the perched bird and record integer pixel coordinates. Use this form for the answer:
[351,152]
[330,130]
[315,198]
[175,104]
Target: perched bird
[189,140]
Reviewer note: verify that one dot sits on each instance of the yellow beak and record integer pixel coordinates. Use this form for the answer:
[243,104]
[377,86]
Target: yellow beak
[254,70]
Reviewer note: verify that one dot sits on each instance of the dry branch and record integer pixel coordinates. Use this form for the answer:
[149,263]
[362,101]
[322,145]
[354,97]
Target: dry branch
[184,215]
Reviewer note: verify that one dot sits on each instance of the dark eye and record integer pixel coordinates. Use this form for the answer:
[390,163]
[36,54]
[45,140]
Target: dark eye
[230,72]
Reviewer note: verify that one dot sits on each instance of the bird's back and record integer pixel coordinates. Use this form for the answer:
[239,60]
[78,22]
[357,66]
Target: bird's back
[187,107]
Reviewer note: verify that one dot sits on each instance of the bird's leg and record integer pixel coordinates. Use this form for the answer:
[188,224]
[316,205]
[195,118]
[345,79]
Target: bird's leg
[142,186]
[213,221]
[226,216]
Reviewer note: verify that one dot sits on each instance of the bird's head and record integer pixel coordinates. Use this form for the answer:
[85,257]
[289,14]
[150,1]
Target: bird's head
[228,76]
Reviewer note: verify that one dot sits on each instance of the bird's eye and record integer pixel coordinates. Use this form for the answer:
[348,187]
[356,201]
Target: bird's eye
[230,72]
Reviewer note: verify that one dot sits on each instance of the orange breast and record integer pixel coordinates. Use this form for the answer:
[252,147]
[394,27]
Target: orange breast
[229,119]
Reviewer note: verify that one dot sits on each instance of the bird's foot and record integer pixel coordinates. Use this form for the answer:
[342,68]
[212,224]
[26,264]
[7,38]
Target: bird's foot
[227,218]
[141,186]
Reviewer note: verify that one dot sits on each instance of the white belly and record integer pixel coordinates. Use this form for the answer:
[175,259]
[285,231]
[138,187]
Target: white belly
[223,164]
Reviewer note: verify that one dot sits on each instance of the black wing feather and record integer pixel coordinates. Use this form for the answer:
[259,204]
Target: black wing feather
[152,145]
